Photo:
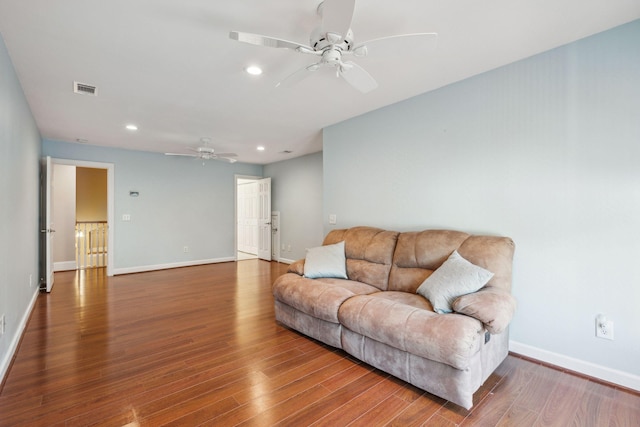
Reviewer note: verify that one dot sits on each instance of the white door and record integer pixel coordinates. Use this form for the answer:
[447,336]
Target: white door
[47,224]
[247,211]
[264,219]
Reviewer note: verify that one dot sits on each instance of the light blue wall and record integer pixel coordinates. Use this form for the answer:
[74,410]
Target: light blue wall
[181,203]
[19,201]
[546,151]
[297,195]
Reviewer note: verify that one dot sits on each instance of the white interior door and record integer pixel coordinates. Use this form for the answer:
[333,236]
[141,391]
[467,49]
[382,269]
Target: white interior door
[264,219]
[247,211]
[47,226]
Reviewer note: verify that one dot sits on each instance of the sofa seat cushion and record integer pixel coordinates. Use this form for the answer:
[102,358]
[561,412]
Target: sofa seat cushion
[319,298]
[406,298]
[408,323]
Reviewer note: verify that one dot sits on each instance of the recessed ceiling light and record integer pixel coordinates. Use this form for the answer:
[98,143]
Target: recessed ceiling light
[254,70]
[132,127]
[260,148]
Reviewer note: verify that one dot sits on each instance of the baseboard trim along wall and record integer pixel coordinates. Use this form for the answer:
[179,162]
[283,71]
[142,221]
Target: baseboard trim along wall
[614,376]
[65,266]
[142,269]
[8,357]
[286,261]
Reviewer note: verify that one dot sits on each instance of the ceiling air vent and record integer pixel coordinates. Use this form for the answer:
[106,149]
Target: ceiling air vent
[85,89]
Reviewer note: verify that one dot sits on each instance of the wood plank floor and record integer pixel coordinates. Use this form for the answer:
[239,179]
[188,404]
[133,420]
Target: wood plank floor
[199,346]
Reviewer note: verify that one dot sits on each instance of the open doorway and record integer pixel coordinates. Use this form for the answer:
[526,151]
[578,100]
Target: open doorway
[253,218]
[83,215]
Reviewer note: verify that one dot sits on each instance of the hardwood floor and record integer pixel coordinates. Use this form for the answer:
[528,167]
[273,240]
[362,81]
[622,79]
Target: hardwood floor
[199,345]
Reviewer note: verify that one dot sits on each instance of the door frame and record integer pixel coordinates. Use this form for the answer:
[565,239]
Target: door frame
[275,236]
[110,167]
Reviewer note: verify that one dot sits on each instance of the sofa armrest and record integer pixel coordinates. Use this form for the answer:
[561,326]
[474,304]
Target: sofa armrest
[297,267]
[493,307]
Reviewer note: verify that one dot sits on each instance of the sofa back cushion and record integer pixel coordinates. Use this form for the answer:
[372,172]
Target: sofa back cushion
[369,252]
[418,254]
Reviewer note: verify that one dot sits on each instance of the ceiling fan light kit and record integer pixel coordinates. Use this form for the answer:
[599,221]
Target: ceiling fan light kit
[330,42]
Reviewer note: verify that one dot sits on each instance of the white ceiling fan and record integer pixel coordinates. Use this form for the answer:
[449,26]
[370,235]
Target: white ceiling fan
[204,152]
[332,40]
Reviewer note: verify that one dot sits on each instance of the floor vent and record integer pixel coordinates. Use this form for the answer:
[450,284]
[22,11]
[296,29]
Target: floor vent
[85,89]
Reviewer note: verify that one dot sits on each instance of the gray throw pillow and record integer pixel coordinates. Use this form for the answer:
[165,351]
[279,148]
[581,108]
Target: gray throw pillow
[326,261]
[454,278]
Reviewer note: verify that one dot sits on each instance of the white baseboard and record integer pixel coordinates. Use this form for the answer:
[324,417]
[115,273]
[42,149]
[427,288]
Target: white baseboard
[614,376]
[142,269]
[13,346]
[286,261]
[65,266]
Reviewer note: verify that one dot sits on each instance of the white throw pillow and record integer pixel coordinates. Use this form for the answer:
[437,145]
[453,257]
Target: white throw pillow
[454,278]
[326,261]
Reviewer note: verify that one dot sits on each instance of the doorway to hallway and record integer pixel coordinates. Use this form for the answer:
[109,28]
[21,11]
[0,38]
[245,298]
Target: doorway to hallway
[83,213]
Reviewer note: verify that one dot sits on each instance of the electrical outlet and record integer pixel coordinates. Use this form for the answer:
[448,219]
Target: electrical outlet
[185,249]
[604,327]
[2,325]
[288,248]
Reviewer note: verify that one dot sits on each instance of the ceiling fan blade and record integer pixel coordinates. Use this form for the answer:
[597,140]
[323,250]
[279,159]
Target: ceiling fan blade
[336,18]
[226,154]
[226,159]
[181,154]
[259,40]
[358,77]
[298,76]
[426,40]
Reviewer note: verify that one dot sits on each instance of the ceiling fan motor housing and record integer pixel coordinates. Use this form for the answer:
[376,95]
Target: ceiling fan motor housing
[205,150]
[321,41]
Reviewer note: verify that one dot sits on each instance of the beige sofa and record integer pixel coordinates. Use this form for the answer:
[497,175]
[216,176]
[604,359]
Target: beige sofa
[377,316]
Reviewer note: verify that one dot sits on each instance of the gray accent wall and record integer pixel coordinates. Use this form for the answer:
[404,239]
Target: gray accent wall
[181,203]
[545,150]
[19,202]
[297,195]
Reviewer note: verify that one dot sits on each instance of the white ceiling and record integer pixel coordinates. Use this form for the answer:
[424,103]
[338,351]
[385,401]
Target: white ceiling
[169,67]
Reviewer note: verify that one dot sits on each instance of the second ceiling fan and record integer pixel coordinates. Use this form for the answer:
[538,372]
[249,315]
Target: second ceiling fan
[205,152]
[332,40]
